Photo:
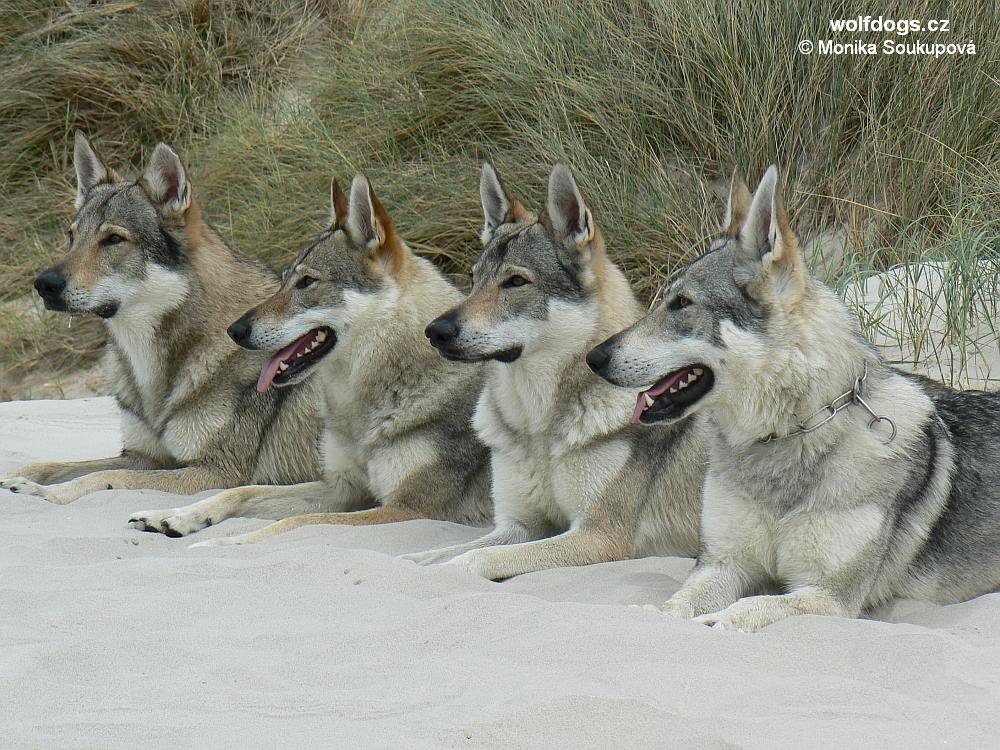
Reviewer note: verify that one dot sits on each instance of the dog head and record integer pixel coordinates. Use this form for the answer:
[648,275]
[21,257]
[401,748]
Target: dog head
[528,281]
[331,285]
[722,311]
[127,242]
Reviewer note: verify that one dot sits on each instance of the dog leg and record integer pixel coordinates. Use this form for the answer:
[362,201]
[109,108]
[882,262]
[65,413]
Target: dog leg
[48,472]
[709,587]
[508,532]
[179,481]
[574,547]
[358,518]
[253,501]
[752,613]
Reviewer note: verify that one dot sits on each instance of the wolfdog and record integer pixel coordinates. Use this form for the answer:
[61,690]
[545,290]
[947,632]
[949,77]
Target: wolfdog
[566,461]
[143,258]
[351,310]
[835,482]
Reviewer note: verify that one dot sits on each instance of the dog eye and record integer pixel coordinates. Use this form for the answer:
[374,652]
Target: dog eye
[516,281]
[680,302]
[304,282]
[112,239]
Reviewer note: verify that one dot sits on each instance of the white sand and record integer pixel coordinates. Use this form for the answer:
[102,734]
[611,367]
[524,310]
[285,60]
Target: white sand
[114,638]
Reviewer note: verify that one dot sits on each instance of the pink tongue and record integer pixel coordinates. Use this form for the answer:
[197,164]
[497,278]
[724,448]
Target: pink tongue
[656,391]
[271,366]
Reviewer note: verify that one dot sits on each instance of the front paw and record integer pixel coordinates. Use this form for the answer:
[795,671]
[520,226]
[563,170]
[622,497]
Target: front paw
[52,493]
[19,484]
[678,608]
[719,621]
[478,561]
[174,522]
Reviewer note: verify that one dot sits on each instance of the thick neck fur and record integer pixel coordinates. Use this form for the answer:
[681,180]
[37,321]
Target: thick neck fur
[550,387]
[384,352]
[172,329]
[809,355]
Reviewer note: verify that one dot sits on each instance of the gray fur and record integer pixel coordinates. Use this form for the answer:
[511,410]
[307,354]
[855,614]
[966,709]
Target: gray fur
[142,257]
[398,444]
[839,519]
[573,482]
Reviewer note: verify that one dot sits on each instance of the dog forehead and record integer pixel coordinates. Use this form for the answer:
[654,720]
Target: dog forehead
[120,203]
[523,247]
[713,271]
[327,253]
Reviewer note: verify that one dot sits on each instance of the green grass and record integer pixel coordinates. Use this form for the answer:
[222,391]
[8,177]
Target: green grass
[653,103]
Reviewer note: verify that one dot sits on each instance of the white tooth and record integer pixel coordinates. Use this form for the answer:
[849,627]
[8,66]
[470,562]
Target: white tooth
[682,385]
[673,390]
[283,366]
[649,400]
[699,372]
[321,336]
[691,378]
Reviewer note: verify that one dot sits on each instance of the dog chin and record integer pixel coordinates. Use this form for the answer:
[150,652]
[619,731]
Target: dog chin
[106,310]
[505,355]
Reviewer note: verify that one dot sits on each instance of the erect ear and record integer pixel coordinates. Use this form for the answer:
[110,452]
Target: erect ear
[90,170]
[572,222]
[166,182]
[370,227]
[737,206]
[338,207]
[499,207]
[768,249]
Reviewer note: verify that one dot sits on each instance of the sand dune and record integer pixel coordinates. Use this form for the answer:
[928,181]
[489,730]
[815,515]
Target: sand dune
[114,638]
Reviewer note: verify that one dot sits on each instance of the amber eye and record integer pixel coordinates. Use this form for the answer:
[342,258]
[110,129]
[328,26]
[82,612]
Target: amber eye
[112,239]
[680,302]
[516,281]
[304,282]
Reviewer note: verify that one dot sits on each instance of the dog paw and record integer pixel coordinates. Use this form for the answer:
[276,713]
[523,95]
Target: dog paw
[53,493]
[679,609]
[477,561]
[22,485]
[174,522]
[718,621]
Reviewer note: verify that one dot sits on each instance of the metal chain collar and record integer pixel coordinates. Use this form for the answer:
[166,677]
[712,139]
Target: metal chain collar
[840,403]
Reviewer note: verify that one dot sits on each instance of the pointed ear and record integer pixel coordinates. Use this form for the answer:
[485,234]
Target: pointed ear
[338,207]
[768,249]
[737,206]
[166,182]
[499,207]
[572,222]
[369,226]
[90,170]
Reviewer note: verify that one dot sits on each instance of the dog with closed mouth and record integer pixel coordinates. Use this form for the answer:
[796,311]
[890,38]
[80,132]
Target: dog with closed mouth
[835,482]
[574,482]
[397,438]
[144,259]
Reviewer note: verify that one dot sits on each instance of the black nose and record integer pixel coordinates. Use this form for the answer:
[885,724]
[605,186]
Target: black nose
[597,358]
[50,284]
[441,332]
[240,331]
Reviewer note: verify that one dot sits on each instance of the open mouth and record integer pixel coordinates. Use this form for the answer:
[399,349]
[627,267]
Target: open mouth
[673,394]
[293,360]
